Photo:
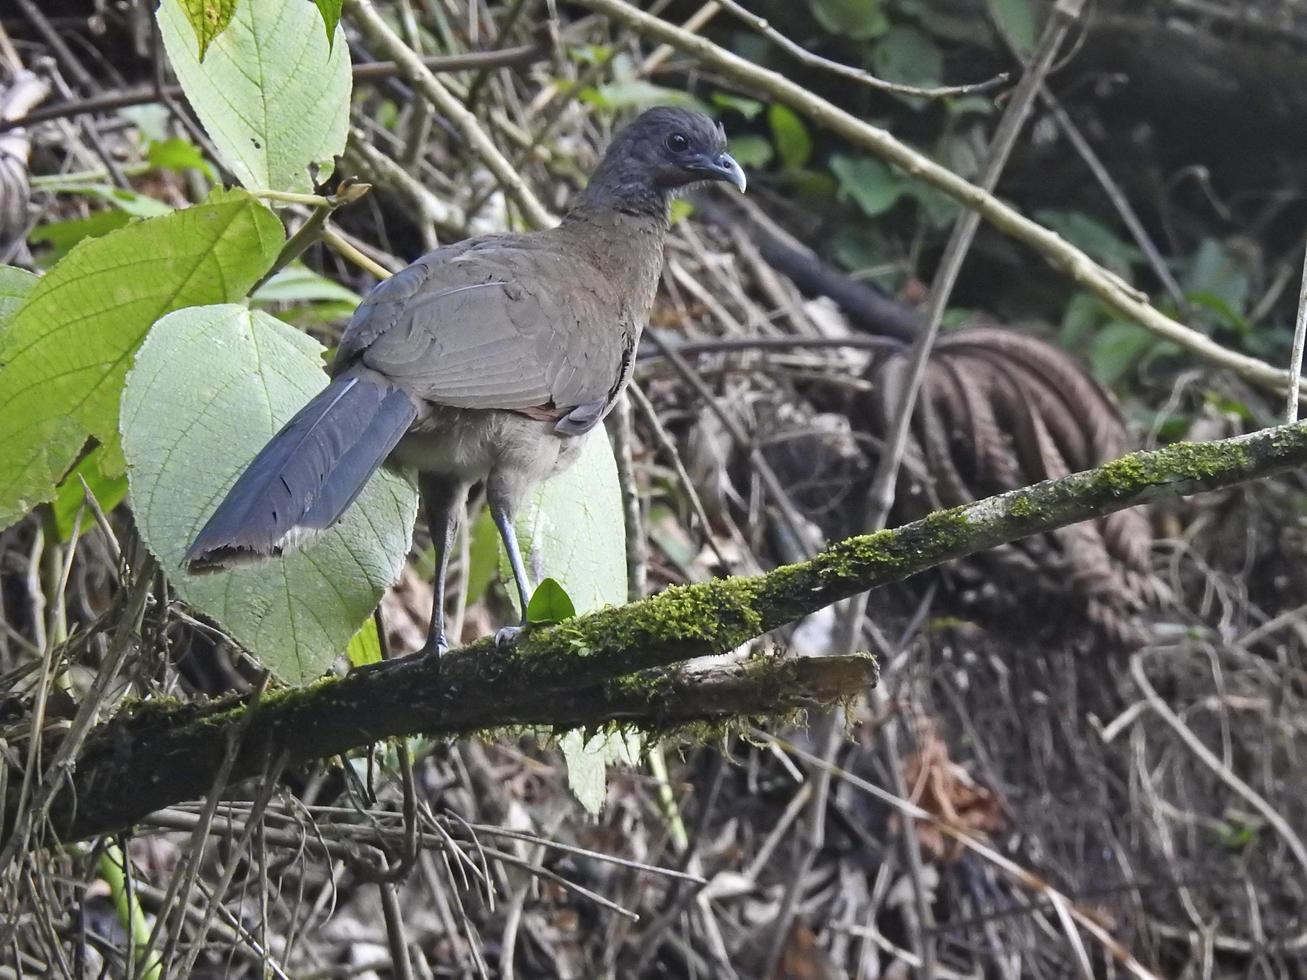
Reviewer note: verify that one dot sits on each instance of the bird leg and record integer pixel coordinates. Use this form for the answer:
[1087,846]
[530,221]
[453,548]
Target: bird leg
[444,502]
[504,521]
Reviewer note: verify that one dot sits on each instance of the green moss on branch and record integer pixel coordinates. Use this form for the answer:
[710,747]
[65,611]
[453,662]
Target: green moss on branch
[580,671]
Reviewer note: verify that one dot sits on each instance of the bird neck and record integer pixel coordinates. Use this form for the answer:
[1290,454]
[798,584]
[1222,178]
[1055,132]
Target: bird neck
[621,242]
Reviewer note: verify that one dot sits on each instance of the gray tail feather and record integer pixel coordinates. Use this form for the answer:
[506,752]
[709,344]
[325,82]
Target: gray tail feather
[307,475]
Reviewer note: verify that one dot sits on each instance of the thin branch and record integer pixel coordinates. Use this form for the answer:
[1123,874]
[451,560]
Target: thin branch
[1295,358]
[1118,295]
[365,17]
[156,754]
[806,57]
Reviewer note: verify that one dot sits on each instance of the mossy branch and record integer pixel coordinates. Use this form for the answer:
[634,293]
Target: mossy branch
[587,670]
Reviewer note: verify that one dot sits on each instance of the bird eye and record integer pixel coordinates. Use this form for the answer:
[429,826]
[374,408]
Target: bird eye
[678,143]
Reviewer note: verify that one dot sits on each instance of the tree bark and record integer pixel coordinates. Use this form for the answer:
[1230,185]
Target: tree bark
[594,669]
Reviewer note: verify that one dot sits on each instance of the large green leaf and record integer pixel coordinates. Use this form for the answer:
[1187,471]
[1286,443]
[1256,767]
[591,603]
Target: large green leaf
[573,531]
[66,352]
[209,387]
[272,93]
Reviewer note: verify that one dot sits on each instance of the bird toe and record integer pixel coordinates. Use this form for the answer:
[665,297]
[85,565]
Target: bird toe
[507,636]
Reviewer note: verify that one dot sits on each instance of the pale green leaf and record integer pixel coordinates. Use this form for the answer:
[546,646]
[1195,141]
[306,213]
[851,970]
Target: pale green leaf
[127,201]
[588,761]
[14,285]
[299,284]
[574,531]
[208,19]
[272,94]
[209,387]
[69,345]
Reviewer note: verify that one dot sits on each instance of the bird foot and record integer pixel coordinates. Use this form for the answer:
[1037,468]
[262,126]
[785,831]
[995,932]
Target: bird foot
[507,636]
[437,645]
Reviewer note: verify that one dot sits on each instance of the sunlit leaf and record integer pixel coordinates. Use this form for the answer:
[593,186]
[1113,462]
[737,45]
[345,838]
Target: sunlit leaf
[364,646]
[210,386]
[272,94]
[549,603]
[68,347]
[208,19]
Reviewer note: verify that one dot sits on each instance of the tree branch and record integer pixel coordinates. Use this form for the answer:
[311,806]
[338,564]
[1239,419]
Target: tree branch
[579,671]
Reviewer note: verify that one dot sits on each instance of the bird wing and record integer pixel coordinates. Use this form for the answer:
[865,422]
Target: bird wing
[499,323]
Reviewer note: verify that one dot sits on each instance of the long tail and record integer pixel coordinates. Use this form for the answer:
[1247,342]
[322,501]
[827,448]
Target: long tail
[308,474]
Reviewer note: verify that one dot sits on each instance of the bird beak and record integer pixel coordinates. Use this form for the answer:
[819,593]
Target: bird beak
[722,167]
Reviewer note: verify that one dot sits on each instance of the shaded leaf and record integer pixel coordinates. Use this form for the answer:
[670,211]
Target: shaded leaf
[549,604]
[1118,348]
[748,108]
[909,57]
[857,20]
[272,94]
[751,151]
[869,183]
[59,237]
[636,93]
[1016,20]
[793,144]
[63,371]
[209,387]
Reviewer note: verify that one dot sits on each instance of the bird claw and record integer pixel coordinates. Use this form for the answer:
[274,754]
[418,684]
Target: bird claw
[507,636]
[437,645]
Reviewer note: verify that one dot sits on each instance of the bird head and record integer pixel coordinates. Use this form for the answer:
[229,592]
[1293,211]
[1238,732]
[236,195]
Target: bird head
[664,151]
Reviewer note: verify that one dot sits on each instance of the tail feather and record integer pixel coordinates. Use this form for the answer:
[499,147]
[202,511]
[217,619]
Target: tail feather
[307,475]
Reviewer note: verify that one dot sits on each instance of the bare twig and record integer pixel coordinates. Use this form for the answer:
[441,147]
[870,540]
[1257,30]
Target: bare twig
[806,57]
[374,27]
[1295,358]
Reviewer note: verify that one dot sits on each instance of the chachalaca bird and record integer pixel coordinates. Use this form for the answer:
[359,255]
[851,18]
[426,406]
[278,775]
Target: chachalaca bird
[484,361]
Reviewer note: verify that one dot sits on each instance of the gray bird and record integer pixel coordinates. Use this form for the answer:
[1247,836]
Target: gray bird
[484,361]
